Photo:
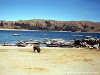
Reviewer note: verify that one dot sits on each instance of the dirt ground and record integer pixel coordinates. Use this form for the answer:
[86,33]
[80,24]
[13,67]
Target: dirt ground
[50,61]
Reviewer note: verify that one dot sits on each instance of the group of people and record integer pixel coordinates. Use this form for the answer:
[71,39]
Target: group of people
[93,43]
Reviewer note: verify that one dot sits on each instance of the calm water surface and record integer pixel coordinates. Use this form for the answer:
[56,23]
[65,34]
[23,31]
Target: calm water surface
[7,37]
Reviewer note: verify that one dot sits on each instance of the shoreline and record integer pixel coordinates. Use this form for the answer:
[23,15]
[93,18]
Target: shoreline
[6,47]
[18,30]
[44,30]
[50,61]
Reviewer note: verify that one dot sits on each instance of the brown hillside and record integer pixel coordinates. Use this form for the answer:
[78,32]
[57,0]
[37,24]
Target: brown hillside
[52,25]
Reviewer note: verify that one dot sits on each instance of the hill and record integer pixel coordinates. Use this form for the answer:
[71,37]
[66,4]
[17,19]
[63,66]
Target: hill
[52,25]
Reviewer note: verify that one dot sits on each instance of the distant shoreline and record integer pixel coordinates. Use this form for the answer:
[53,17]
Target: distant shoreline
[45,30]
[33,30]
[20,30]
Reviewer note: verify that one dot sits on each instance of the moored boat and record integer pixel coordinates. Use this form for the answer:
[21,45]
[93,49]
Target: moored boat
[21,44]
[16,34]
[57,43]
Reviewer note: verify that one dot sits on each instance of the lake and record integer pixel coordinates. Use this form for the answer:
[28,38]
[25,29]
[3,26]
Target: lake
[7,37]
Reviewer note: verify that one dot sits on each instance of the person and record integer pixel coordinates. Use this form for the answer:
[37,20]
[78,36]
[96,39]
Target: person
[99,44]
[36,47]
[77,43]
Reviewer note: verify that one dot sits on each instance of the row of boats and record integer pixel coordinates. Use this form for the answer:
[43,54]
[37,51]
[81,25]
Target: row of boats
[47,42]
[86,42]
[59,42]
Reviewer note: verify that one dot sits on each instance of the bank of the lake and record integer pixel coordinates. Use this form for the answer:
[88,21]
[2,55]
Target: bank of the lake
[50,61]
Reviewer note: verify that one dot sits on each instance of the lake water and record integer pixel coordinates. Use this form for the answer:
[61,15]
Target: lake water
[7,37]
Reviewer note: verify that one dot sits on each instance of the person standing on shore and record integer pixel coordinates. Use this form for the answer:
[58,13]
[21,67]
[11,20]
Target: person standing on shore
[99,43]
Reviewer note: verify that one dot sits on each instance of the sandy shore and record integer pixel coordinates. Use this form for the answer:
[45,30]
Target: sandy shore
[51,61]
[40,30]
[19,29]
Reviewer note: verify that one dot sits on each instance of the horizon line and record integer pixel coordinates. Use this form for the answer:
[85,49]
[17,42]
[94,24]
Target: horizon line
[49,19]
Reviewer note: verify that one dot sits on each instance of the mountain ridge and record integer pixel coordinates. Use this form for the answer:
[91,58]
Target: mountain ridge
[52,25]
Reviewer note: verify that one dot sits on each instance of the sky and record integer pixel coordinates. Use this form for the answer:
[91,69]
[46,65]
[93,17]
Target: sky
[61,10]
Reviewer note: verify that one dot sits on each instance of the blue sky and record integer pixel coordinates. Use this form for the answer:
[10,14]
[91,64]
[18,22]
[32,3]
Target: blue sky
[62,10]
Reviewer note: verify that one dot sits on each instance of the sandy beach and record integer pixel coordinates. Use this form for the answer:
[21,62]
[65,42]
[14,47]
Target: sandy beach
[50,61]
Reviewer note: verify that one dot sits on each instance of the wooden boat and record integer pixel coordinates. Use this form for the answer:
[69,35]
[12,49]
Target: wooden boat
[21,44]
[56,43]
[52,44]
[66,43]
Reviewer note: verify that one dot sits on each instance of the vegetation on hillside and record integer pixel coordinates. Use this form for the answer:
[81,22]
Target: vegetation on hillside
[52,25]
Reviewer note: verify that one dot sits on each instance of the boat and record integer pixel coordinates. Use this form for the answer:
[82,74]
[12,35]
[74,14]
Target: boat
[57,43]
[21,44]
[66,43]
[52,44]
[16,34]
